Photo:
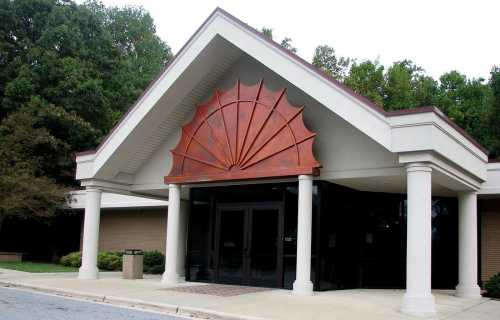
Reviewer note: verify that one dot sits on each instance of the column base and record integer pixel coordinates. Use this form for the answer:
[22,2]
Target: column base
[86,273]
[421,306]
[169,280]
[303,288]
[468,291]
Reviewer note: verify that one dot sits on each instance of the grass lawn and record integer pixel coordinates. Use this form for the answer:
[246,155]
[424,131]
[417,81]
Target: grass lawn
[36,267]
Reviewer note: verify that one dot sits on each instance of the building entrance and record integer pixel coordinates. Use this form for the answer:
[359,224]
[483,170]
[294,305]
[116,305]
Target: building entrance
[248,244]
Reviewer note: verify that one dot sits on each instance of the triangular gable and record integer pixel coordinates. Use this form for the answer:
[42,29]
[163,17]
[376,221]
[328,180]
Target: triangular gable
[353,108]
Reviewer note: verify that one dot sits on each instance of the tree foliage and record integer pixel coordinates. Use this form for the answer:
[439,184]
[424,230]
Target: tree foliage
[367,79]
[325,59]
[493,125]
[285,43]
[67,73]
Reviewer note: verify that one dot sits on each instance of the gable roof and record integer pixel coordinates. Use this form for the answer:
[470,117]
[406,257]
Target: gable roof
[371,129]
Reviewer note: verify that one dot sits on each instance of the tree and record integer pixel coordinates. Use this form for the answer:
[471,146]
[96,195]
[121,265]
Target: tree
[325,59]
[285,43]
[494,113]
[367,79]
[67,73]
[85,58]
[398,91]
[465,101]
[267,32]
[27,151]
[407,86]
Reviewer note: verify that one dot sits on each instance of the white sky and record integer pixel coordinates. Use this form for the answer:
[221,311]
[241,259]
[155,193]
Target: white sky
[438,35]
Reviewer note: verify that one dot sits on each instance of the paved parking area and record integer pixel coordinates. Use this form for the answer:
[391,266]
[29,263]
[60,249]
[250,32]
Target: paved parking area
[23,305]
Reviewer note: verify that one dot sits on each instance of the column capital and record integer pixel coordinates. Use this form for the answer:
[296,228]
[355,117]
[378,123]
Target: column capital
[418,166]
[305,177]
[93,189]
[467,193]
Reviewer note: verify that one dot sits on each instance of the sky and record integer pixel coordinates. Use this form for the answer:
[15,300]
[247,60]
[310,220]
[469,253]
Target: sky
[438,35]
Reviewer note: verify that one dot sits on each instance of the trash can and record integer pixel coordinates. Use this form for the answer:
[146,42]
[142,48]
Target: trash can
[132,267]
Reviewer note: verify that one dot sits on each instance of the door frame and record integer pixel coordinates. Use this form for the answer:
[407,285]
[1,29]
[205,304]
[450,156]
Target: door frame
[247,208]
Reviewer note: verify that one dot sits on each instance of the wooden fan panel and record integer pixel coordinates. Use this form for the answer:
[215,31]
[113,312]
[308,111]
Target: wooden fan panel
[246,132]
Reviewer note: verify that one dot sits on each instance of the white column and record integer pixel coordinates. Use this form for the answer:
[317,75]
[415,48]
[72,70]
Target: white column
[88,270]
[182,248]
[418,299]
[171,276]
[467,246]
[303,284]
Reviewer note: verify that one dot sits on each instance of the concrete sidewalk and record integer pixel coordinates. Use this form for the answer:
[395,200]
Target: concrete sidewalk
[272,304]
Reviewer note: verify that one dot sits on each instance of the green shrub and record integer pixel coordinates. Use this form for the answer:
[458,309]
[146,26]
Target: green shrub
[73,259]
[111,261]
[492,286]
[154,262]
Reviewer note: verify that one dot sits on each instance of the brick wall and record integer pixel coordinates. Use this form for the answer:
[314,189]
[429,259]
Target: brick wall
[490,237]
[122,229]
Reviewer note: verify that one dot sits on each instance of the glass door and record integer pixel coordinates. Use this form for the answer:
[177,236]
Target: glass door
[231,245]
[249,246]
[265,253]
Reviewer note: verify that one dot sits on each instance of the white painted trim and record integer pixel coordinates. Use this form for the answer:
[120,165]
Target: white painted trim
[362,173]
[441,165]
[111,200]
[492,186]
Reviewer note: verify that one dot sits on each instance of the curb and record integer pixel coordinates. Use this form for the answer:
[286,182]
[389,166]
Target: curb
[198,313]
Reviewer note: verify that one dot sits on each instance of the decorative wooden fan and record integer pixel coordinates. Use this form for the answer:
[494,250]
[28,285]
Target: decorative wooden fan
[247,132]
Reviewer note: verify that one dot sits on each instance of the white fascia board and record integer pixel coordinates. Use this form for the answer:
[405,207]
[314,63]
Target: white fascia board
[111,200]
[84,166]
[109,186]
[427,131]
[492,185]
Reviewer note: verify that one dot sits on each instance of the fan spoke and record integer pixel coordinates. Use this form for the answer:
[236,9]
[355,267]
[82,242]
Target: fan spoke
[208,163]
[264,123]
[251,119]
[278,151]
[270,138]
[225,127]
[207,149]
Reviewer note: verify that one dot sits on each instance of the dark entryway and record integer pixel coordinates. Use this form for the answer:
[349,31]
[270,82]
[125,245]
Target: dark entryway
[248,244]
[248,235]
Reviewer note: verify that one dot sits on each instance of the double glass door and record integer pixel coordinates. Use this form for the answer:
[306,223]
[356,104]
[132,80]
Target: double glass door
[249,246]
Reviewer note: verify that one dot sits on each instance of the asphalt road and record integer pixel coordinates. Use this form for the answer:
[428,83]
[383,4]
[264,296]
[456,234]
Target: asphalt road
[24,305]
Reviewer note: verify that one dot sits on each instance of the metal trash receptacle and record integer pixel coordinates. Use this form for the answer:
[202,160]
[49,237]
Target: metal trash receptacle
[132,267]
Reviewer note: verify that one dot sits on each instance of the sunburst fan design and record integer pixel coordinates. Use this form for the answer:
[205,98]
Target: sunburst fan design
[247,132]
